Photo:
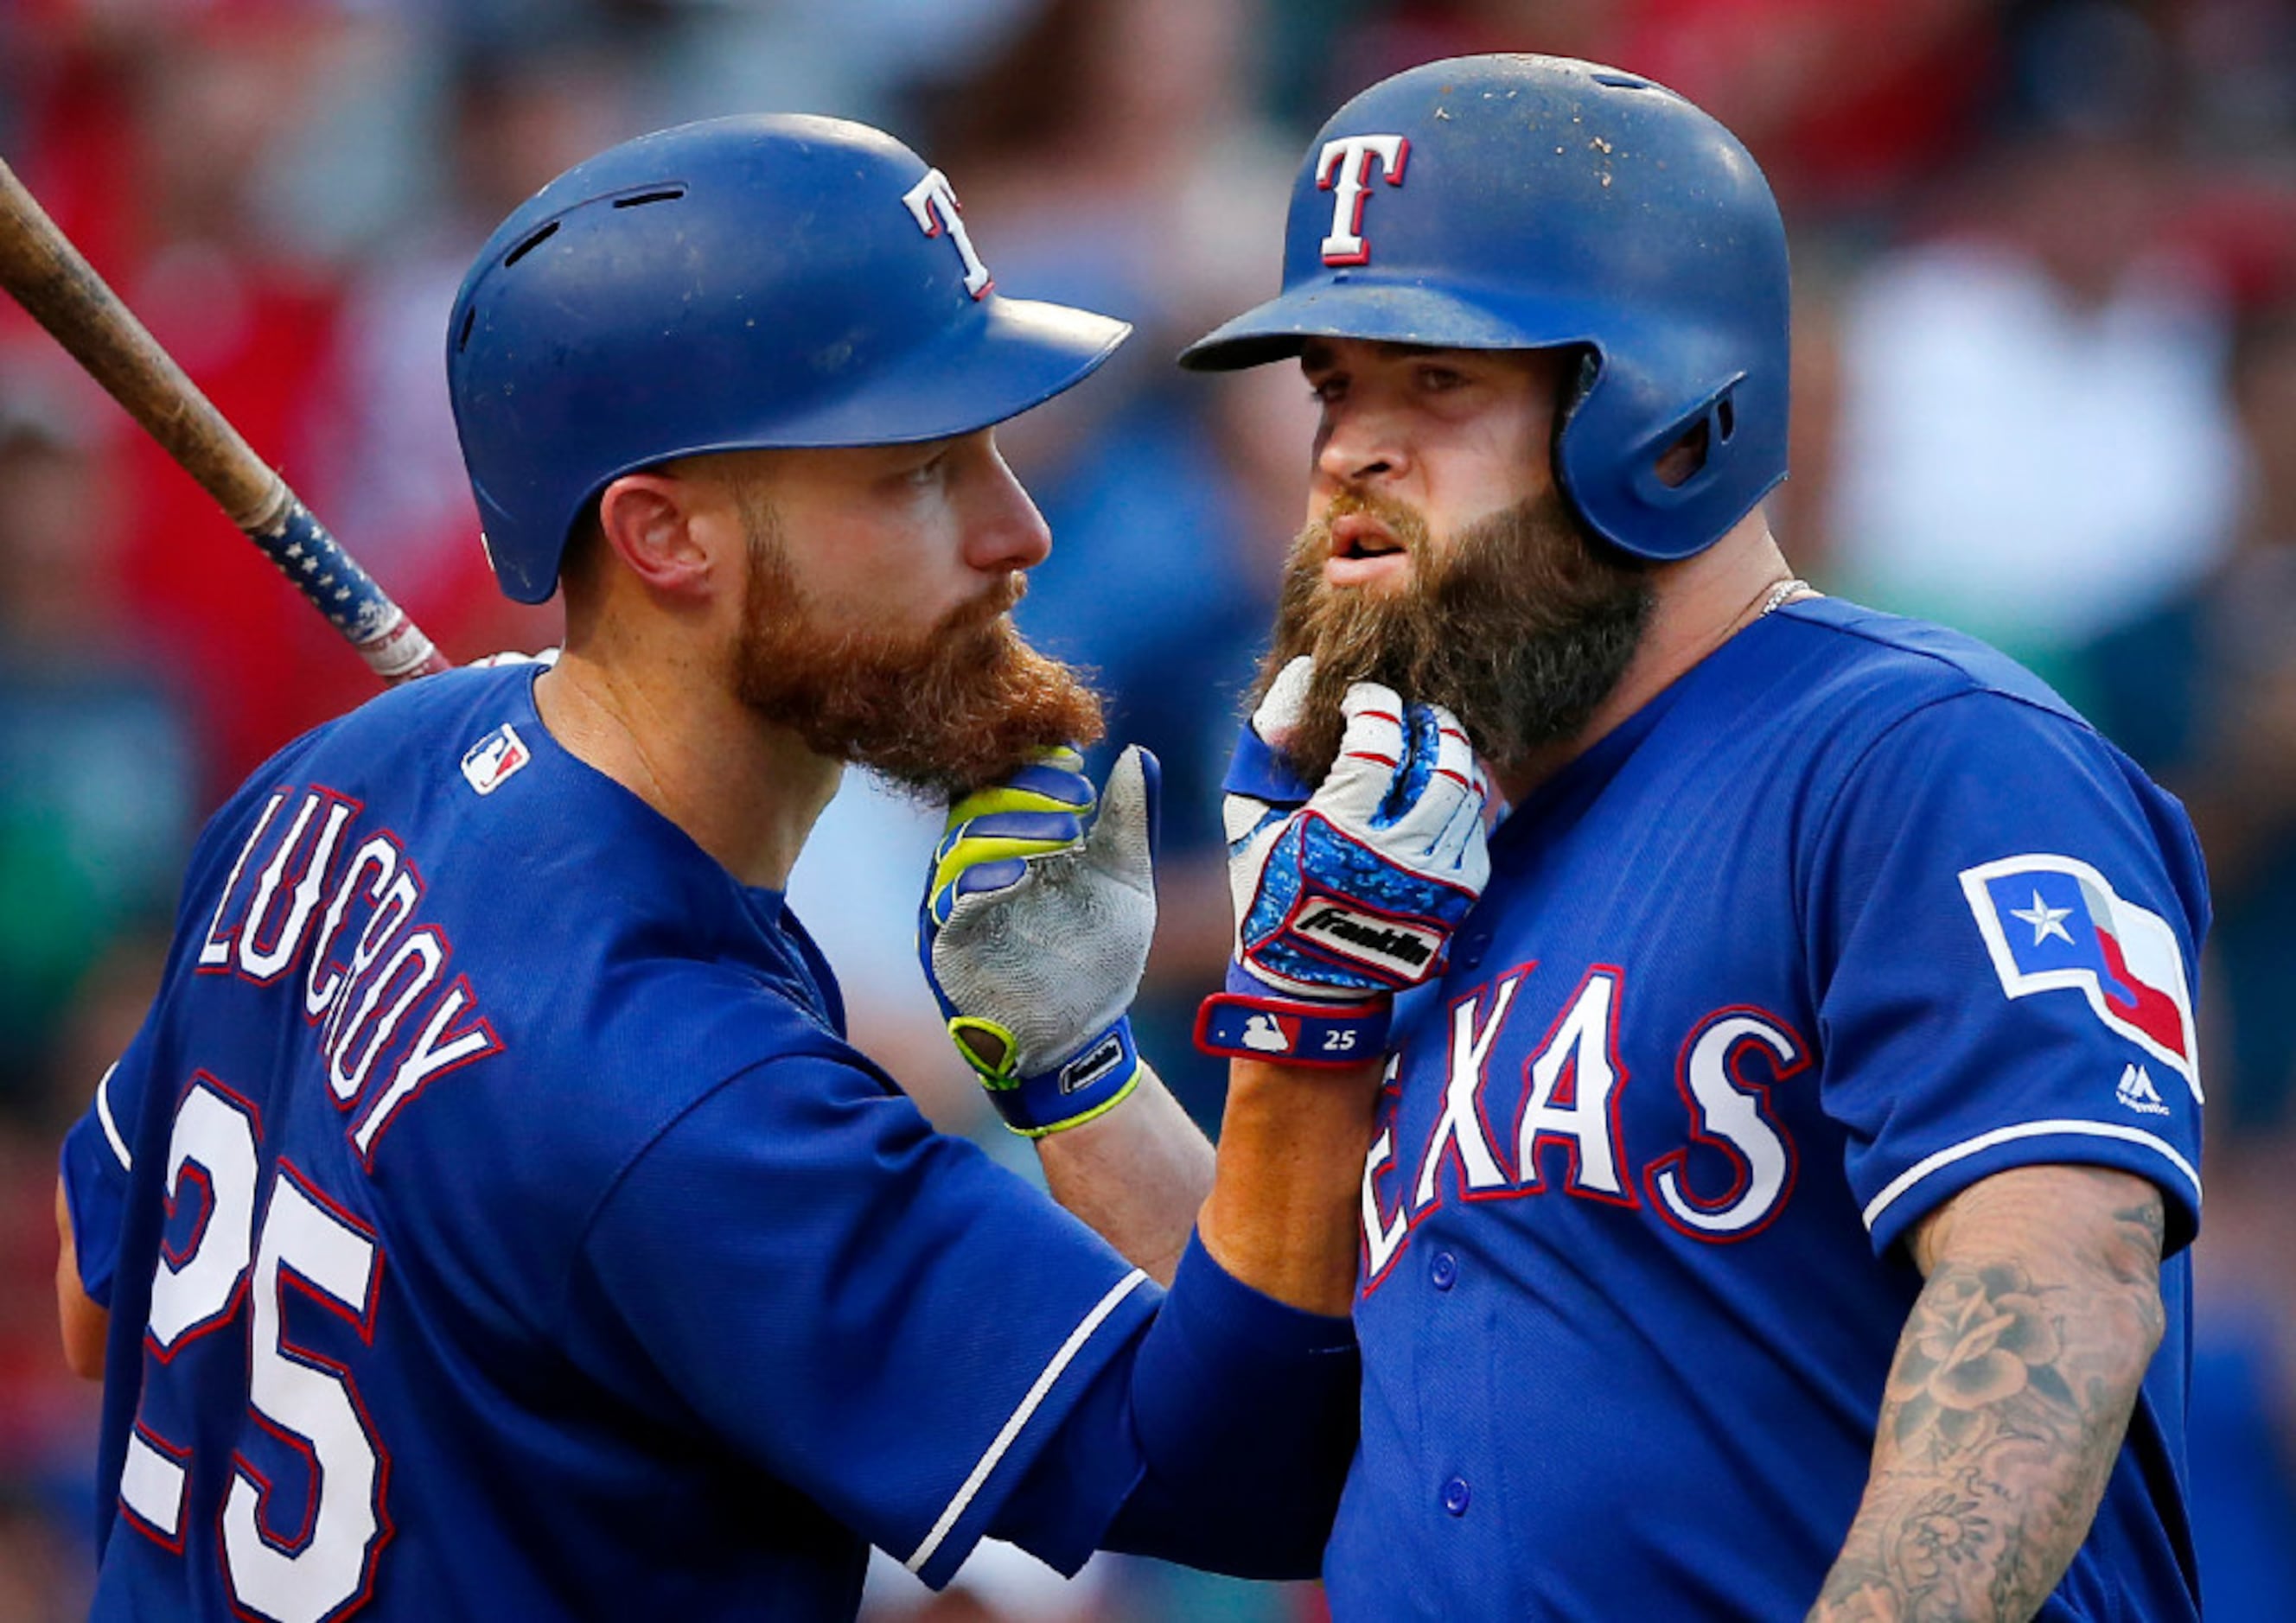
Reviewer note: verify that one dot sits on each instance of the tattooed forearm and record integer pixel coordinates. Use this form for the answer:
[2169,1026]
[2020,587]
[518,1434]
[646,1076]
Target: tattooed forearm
[2004,1410]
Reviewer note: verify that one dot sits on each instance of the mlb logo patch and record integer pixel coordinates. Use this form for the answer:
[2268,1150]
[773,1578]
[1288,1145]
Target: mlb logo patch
[1268,1032]
[488,764]
[2052,924]
[1228,1026]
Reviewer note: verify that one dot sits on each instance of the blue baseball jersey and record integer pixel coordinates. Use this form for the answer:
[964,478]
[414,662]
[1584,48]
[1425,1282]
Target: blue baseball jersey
[496,1224]
[1854,914]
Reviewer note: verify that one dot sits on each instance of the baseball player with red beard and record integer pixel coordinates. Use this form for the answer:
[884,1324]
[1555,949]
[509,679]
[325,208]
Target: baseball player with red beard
[491,1218]
[1782,1203]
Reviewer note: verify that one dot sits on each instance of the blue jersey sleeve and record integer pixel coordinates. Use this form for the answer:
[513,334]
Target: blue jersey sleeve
[98,1152]
[1233,1422]
[96,1161]
[873,1312]
[2005,920]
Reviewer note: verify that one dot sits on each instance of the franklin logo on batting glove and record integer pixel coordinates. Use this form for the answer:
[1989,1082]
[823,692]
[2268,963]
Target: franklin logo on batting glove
[1380,943]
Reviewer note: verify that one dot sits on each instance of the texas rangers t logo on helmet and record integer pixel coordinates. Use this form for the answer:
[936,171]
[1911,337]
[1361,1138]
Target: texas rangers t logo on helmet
[1345,168]
[933,201]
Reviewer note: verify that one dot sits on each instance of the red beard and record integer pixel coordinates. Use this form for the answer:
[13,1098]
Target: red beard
[943,711]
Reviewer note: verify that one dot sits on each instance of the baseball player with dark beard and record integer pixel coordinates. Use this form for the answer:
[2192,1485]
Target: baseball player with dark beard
[1782,1205]
[491,1218]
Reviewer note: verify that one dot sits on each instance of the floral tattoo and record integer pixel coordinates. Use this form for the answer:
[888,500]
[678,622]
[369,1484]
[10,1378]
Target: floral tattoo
[2002,1416]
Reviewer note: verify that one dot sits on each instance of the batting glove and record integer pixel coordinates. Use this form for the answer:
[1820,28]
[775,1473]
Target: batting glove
[1035,930]
[1353,896]
[1258,772]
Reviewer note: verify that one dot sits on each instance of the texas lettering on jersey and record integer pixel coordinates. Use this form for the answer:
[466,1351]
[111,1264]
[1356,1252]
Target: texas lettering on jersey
[1500,1136]
[314,896]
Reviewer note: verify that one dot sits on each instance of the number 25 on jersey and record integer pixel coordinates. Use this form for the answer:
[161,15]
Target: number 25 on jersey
[293,1563]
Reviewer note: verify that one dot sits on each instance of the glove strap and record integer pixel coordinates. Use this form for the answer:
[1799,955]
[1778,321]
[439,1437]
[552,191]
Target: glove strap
[1094,1081]
[1282,1031]
[1261,772]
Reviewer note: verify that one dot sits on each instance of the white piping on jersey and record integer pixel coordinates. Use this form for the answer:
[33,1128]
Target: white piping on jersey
[1020,1417]
[1921,1168]
[111,1128]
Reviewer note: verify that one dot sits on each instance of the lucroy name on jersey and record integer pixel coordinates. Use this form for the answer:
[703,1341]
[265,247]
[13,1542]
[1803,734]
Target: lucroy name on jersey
[312,888]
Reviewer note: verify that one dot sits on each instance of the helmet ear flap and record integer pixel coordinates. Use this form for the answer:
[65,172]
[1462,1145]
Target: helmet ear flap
[1664,492]
[1670,468]
[1677,463]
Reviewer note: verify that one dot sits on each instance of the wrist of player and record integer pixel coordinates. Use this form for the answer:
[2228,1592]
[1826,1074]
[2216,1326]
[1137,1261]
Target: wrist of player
[1252,1017]
[1055,1096]
[1291,999]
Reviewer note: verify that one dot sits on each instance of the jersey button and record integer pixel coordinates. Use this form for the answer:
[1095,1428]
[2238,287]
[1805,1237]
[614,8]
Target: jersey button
[1455,1496]
[1443,1272]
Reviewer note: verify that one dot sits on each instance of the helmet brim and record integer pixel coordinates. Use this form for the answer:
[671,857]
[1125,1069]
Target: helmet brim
[1023,355]
[1020,354]
[1382,312]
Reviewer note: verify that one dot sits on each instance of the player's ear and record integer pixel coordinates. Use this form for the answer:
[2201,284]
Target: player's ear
[666,528]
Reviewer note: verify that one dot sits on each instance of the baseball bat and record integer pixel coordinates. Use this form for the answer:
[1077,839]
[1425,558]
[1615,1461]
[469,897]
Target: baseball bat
[60,289]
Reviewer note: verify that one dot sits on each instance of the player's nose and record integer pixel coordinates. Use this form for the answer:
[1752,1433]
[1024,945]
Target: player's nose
[1359,444]
[1005,531]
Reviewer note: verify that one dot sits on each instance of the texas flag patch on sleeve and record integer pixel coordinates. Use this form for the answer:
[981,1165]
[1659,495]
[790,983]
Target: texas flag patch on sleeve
[2052,924]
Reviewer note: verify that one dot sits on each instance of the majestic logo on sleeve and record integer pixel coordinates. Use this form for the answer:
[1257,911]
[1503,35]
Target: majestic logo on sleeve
[932,203]
[1344,171]
[2052,924]
[2137,1093]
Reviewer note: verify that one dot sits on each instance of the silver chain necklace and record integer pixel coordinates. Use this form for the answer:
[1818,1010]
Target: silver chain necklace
[1780,592]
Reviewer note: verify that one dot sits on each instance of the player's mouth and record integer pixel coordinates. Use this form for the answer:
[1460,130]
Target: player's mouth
[1363,551]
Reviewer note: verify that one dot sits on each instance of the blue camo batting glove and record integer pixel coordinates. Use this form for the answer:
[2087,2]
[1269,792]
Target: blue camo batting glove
[1352,896]
[1034,931]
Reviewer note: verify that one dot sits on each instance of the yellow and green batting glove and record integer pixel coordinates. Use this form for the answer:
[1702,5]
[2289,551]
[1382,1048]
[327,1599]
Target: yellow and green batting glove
[1035,930]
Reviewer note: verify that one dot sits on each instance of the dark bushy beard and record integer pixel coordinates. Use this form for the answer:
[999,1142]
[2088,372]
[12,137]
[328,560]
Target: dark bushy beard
[942,711]
[1520,625]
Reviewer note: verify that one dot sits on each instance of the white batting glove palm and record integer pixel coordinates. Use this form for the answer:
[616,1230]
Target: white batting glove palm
[1035,932]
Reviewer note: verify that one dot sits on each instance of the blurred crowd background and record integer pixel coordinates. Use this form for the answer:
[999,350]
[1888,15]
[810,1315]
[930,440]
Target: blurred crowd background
[2046,391]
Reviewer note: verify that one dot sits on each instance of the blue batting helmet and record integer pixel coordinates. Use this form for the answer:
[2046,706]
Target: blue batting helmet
[770,281]
[1527,202]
